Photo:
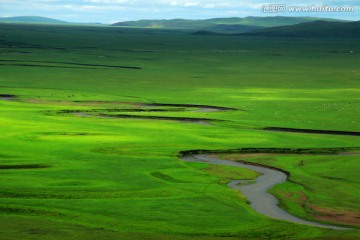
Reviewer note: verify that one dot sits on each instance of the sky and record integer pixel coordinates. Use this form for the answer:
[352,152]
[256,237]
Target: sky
[110,11]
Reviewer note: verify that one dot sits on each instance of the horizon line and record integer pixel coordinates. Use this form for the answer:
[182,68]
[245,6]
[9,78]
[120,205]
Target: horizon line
[193,19]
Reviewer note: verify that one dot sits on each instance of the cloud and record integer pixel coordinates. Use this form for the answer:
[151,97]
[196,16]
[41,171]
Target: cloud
[92,8]
[183,3]
[108,1]
[210,3]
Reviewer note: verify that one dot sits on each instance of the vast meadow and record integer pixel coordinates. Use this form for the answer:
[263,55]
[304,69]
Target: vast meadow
[92,121]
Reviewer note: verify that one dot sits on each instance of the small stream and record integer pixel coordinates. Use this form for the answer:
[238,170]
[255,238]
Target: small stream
[257,193]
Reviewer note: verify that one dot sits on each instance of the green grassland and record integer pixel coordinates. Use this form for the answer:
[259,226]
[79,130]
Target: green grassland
[65,176]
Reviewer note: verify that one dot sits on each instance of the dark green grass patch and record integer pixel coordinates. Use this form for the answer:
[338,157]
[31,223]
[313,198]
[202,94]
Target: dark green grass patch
[22,166]
[165,177]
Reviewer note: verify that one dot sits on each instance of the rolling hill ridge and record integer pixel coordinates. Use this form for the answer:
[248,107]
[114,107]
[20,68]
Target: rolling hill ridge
[313,29]
[234,24]
[30,19]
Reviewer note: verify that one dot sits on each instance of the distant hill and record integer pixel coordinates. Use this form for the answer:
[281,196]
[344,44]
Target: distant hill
[312,29]
[30,19]
[221,24]
[275,21]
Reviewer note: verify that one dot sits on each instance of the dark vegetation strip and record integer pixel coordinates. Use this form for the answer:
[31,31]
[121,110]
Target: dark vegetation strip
[23,166]
[313,131]
[271,150]
[119,110]
[7,96]
[45,66]
[182,106]
[77,64]
[188,105]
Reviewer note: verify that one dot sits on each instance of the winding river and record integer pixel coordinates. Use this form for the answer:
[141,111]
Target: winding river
[257,193]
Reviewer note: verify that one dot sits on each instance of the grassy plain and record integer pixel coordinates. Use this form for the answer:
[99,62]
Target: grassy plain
[121,178]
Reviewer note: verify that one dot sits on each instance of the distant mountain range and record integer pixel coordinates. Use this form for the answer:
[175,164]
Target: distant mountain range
[221,24]
[31,19]
[255,26]
[308,29]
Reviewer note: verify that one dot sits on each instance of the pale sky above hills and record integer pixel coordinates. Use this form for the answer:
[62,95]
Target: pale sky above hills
[109,11]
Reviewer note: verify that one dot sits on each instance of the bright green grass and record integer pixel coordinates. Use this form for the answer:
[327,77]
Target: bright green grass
[123,175]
